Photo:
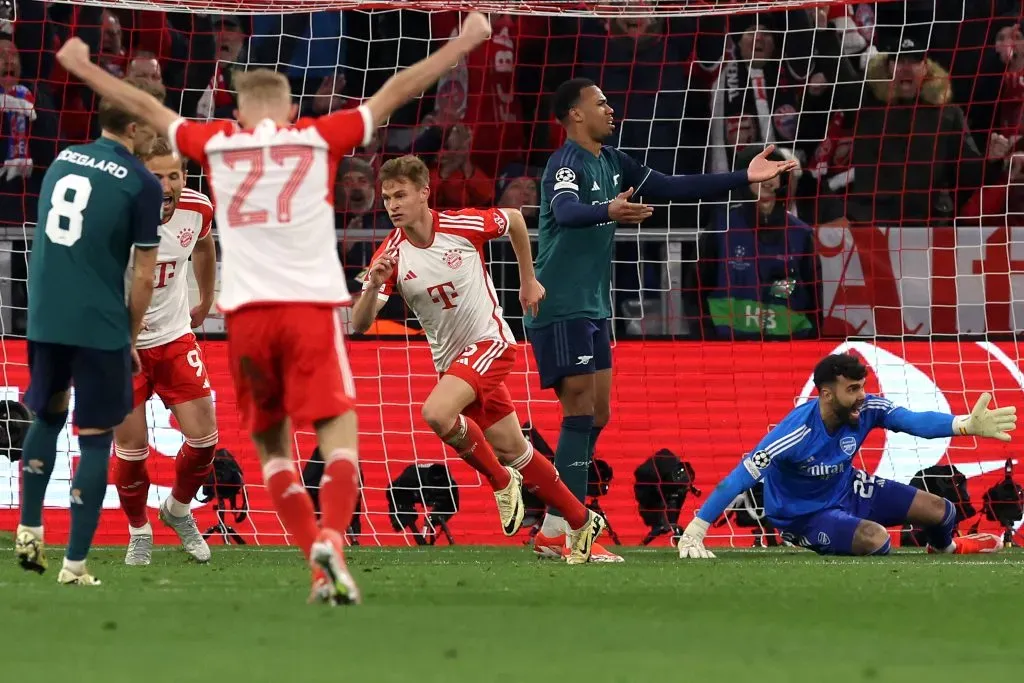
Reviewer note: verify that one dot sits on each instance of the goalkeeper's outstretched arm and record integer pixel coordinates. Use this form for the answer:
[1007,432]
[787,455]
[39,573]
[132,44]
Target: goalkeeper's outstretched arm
[996,423]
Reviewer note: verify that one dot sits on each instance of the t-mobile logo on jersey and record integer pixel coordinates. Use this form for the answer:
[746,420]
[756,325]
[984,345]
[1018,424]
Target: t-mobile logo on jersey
[164,273]
[444,294]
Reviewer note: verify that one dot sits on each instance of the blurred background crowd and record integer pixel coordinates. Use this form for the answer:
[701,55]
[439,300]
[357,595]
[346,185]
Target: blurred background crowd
[901,114]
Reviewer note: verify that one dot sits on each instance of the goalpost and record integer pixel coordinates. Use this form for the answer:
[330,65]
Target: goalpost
[929,297]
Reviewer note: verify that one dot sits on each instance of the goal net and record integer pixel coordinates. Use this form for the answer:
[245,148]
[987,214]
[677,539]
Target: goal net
[898,239]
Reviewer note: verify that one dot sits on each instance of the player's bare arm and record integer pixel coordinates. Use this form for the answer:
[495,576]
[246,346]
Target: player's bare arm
[531,291]
[74,56]
[141,288]
[368,305]
[204,264]
[411,82]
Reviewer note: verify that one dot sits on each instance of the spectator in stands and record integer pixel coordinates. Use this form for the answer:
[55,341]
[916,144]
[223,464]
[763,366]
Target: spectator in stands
[914,161]
[1001,203]
[180,49]
[218,100]
[485,91]
[761,84]
[144,66]
[363,224]
[112,55]
[517,189]
[758,270]
[329,97]
[997,98]
[644,77]
[456,181]
[17,112]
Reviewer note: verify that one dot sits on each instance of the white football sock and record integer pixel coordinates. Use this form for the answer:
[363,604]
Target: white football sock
[76,567]
[175,508]
[553,526]
[144,530]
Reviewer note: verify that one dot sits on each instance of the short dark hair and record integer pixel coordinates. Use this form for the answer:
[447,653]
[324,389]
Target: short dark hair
[567,96]
[831,368]
[115,120]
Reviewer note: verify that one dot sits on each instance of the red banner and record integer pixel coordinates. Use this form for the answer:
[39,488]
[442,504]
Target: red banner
[921,281]
[708,403]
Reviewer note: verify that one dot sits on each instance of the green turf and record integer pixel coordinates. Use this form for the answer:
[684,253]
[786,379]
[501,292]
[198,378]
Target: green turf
[481,615]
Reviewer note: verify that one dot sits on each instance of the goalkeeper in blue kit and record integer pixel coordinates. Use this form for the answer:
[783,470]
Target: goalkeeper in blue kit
[818,500]
[586,191]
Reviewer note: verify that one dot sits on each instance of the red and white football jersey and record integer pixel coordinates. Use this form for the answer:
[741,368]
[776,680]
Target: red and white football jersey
[273,187]
[447,284]
[167,317]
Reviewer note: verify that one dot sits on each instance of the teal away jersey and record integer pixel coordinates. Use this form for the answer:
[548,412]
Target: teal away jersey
[574,264]
[97,200]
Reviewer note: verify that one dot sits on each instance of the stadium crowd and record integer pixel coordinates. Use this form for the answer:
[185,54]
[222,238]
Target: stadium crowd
[900,113]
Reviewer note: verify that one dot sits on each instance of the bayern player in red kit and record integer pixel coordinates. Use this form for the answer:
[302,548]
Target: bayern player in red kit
[272,181]
[171,365]
[436,262]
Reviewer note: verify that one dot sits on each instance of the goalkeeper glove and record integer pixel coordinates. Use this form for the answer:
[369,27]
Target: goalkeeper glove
[691,543]
[993,424]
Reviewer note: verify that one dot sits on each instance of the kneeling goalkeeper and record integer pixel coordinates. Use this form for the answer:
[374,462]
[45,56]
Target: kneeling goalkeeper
[814,496]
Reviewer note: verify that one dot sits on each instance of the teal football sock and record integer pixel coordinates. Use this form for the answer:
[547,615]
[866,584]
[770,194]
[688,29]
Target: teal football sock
[87,492]
[38,455]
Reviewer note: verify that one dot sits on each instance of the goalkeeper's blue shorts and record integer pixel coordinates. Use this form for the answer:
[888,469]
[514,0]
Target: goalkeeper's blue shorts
[830,532]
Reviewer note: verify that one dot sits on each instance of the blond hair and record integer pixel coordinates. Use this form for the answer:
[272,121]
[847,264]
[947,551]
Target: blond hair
[263,86]
[409,168]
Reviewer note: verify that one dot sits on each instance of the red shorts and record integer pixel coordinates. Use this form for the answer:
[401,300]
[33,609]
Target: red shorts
[174,371]
[288,360]
[484,366]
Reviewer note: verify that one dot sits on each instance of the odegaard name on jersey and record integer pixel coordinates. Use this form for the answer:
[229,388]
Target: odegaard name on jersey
[111,167]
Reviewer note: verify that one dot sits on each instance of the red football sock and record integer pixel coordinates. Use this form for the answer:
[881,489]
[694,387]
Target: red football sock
[468,439]
[542,477]
[339,491]
[291,502]
[131,478]
[192,466]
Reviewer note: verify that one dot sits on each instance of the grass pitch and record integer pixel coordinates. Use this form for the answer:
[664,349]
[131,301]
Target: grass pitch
[481,615]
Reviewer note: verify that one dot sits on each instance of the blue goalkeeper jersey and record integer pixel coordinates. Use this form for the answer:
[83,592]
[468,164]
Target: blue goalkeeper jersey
[806,469]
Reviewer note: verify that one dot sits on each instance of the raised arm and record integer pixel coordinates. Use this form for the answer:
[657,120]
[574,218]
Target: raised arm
[74,57]
[413,81]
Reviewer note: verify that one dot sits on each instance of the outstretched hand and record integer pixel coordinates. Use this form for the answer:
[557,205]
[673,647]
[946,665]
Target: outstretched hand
[761,168]
[622,210]
[994,424]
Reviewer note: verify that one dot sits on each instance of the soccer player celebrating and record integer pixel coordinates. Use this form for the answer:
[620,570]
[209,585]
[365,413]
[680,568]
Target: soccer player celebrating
[171,365]
[814,496]
[436,262]
[281,279]
[96,202]
[586,191]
